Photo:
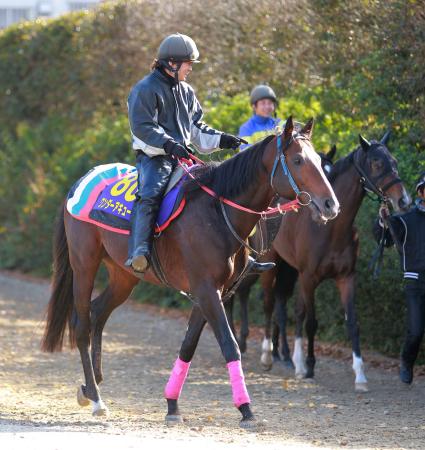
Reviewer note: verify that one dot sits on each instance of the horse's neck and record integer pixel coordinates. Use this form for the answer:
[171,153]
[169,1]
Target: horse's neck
[350,194]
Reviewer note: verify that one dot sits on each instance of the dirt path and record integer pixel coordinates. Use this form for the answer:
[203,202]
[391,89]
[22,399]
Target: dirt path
[38,406]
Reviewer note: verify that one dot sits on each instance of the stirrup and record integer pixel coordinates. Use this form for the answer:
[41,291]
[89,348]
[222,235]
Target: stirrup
[139,263]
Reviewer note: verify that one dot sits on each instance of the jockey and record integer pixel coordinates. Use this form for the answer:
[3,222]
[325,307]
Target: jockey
[263,122]
[407,231]
[165,117]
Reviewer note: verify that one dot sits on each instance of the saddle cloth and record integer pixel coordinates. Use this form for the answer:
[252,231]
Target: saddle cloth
[105,196]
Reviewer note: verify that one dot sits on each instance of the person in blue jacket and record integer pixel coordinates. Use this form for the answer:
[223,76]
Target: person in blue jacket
[263,122]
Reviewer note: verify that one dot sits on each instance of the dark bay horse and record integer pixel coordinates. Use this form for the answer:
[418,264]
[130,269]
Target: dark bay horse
[313,253]
[198,254]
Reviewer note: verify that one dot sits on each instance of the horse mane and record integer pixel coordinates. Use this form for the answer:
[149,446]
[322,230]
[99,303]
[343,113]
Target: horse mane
[232,176]
[341,166]
[344,163]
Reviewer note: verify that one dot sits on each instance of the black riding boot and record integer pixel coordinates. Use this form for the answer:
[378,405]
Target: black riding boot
[154,174]
[257,267]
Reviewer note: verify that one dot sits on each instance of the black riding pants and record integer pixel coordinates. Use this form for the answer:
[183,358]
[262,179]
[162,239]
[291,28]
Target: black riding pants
[154,174]
[415,320]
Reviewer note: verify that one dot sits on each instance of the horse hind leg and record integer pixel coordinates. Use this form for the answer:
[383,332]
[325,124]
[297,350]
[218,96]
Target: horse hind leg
[85,259]
[121,283]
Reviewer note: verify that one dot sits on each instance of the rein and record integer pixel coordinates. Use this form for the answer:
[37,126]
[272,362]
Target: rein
[370,187]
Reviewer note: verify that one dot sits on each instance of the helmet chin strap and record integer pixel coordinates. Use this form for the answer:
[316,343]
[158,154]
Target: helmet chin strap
[169,67]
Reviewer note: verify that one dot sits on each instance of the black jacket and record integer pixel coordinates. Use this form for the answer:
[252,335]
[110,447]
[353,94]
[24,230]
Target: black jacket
[408,230]
[160,109]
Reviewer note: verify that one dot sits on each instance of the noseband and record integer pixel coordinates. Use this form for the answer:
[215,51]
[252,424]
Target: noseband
[370,185]
[280,156]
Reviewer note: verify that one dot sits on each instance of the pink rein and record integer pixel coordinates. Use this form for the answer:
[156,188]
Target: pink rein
[293,205]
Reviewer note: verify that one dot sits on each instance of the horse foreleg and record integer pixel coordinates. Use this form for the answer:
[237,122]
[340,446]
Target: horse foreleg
[307,291]
[181,366]
[346,287]
[268,284]
[285,283]
[298,355]
[212,309]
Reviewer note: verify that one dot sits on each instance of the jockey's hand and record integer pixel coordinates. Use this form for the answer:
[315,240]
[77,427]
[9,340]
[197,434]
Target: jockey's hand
[230,141]
[176,149]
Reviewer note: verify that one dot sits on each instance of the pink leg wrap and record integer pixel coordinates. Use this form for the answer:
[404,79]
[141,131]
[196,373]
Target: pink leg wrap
[177,378]
[240,394]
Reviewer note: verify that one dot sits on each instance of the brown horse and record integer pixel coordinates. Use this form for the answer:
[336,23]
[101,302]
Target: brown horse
[314,253]
[198,253]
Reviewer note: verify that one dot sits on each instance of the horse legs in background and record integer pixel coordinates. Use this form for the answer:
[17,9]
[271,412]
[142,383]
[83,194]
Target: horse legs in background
[211,310]
[268,281]
[228,307]
[121,283]
[243,294]
[346,287]
[285,283]
[298,355]
[307,287]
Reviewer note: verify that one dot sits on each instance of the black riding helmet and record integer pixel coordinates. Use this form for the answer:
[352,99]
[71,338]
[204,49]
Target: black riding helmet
[177,48]
[262,91]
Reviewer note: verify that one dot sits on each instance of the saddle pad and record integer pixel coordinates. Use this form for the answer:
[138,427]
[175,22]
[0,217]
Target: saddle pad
[105,197]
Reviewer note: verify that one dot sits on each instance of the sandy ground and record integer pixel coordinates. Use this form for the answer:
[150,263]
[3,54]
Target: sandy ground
[38,408]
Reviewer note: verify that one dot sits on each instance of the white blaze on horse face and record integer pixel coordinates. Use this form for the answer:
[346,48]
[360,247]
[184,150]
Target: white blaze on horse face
[311,155]
[298,358]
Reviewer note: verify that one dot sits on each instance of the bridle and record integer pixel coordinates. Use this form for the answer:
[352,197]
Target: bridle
[280,157]
[370,185]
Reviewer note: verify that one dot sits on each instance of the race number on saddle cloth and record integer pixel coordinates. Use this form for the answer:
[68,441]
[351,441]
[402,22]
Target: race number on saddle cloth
[105,197]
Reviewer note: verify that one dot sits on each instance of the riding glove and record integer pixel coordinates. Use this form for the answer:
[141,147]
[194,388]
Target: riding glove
[230,141]
[176,149]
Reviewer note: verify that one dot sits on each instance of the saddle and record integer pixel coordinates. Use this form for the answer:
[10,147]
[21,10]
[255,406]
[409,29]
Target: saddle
[105,196]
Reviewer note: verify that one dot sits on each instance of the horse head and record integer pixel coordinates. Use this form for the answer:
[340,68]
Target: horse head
[379,172]
[295,171]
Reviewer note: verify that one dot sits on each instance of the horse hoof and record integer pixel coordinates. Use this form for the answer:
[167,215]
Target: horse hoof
[361,387]
[266,361]
[81,398]
[300,375]
[252,424]
[100,409]
[173,419]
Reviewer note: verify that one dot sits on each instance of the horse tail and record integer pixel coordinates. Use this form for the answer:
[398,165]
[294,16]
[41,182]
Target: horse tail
[60,307]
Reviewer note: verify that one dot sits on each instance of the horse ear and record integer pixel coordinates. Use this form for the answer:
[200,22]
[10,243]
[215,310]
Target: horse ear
[289,127]
[386,137]
[364,143]
[308,128]
[331,153]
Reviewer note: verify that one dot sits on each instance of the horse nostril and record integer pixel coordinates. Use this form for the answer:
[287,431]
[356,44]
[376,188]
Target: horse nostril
[328,204]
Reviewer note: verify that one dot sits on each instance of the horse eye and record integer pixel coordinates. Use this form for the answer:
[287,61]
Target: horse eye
[297,160]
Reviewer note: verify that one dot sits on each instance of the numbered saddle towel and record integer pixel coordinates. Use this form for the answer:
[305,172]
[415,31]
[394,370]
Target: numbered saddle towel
[105,197]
